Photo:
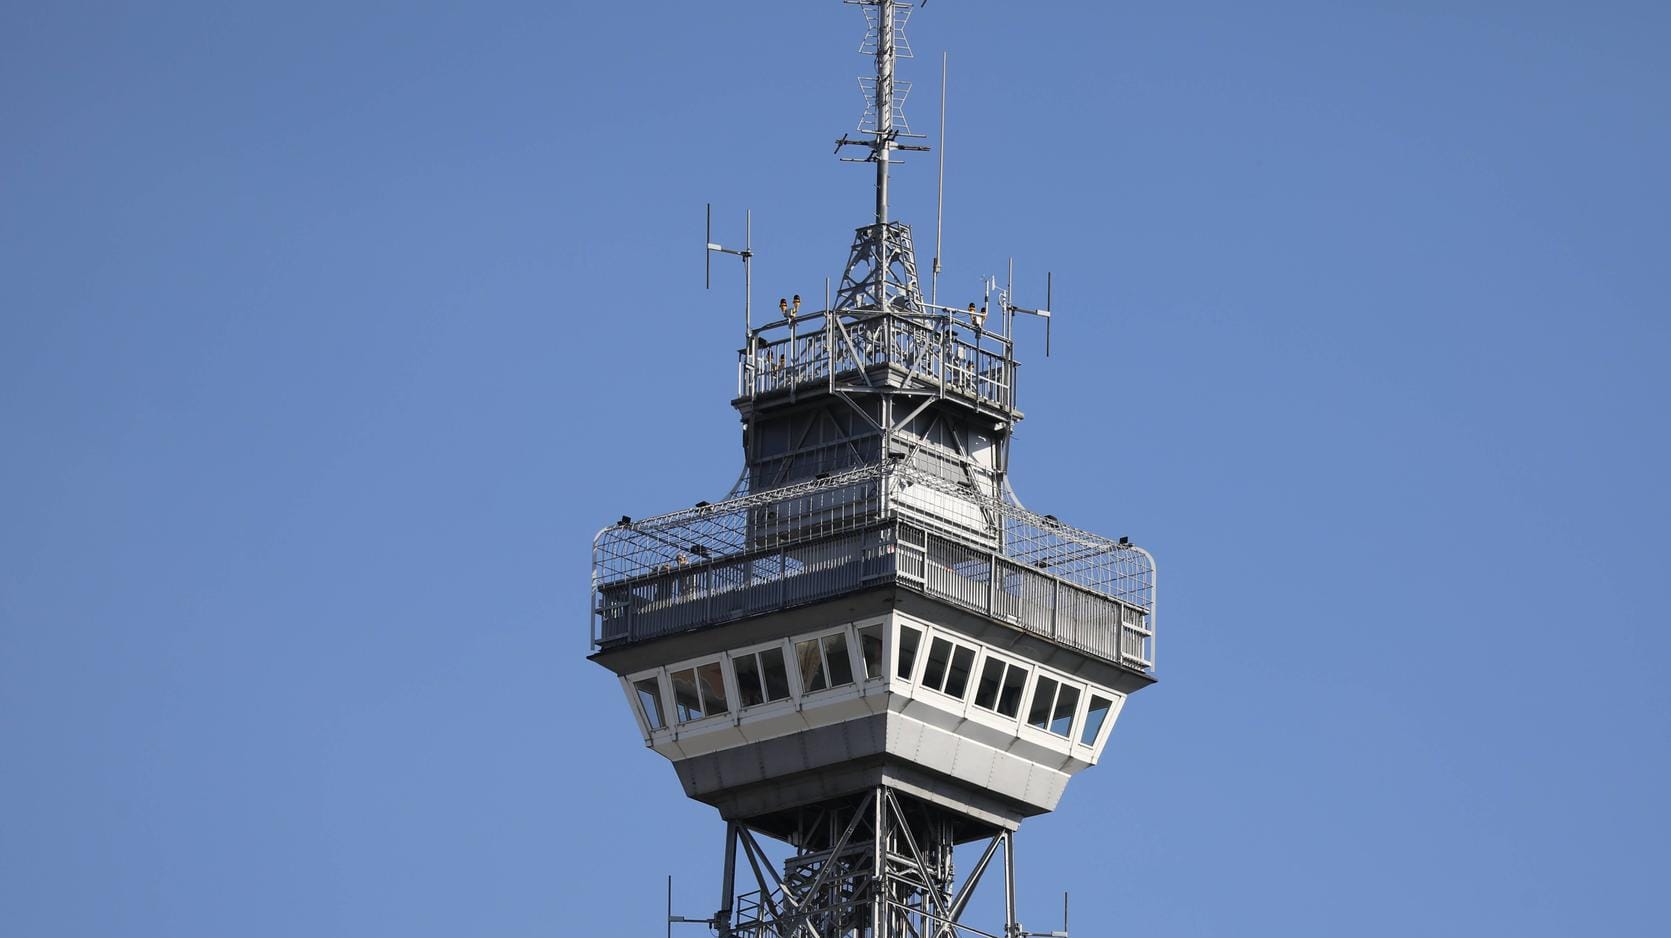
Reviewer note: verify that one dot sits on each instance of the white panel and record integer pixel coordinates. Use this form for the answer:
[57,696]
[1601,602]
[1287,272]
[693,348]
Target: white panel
[974,762]
[1008,776]
[769,721]
[698,738]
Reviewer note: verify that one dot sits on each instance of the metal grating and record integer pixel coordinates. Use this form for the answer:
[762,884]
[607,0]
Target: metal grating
[809,541]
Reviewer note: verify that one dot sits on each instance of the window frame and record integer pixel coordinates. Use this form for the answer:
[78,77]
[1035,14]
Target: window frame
[785,649]
[1084,690]
[1117,702]
[727,680]
[664,684]
[926,650]
[885,666]
[854,668]
[1028,669]
[896,639]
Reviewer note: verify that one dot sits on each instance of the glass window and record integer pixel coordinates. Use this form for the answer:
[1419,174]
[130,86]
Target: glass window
[761,677]
[812,666]
[712,679]
[1044,696]
[687,702]
[777,677]
[1009,699]
[870,649]
[749,689]
[649,701]
[1093,719]
[699,692]
[992,678]
[909,638]
[939,655]
[835,659]
[957,679]
[1067,704]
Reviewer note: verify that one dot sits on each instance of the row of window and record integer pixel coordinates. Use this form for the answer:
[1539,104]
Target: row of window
[766,674]
[947,668]
[762,676]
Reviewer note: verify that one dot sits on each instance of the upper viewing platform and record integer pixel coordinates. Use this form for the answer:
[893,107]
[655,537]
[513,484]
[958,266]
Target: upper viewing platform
[946,353]
[880,525]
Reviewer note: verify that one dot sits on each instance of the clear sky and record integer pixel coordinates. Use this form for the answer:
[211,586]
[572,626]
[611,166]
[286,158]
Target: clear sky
[330,334]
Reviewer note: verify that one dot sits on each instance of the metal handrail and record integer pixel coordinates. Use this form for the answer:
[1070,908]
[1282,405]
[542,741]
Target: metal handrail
[819,347]
[722,590]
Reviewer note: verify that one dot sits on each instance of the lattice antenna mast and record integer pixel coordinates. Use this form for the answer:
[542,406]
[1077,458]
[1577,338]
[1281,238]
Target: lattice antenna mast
[881,128]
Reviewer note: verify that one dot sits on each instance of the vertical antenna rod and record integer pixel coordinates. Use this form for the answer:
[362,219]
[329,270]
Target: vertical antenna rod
[884,107]
[748,271]
[939,188]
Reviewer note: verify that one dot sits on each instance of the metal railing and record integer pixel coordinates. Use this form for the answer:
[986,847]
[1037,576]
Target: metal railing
[812,541]
[929,351]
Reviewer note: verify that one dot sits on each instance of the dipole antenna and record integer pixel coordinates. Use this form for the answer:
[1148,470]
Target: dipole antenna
[747,254]
[1042,313]
[939,189]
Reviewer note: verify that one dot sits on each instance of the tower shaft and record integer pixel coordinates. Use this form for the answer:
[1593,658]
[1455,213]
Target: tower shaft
[878,865]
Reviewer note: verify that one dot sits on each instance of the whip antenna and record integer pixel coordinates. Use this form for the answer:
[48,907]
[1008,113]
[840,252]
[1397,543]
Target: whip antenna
[939,188]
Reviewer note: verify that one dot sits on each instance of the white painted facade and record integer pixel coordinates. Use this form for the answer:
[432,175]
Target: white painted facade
[984,717]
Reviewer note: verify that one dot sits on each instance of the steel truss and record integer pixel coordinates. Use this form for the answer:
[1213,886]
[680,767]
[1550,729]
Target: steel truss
[875,866]
[881,272]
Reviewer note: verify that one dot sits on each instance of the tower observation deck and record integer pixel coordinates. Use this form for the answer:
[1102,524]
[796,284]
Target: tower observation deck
[869,651]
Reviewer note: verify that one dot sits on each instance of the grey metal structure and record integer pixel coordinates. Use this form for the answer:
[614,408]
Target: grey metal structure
[870,651]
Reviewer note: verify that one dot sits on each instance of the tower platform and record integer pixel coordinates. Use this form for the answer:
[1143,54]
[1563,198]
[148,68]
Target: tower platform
[876,627]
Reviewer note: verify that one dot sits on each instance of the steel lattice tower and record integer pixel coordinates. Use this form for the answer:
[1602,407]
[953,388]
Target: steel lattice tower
[870,651]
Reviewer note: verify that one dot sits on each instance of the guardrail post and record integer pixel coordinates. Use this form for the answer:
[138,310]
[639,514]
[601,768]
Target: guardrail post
[1055,603]
[992,586]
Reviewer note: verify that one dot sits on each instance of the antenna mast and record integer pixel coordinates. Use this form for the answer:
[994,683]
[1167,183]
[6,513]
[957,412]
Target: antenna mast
[886,19]
[880,246]
[939,189]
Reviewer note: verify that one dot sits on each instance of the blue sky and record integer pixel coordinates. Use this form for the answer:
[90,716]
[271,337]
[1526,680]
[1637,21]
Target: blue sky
[330,333]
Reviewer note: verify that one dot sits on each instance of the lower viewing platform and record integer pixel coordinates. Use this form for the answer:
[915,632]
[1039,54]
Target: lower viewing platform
[807,543]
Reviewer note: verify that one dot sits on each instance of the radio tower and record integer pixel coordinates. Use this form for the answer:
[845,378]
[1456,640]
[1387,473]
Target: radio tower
[870,653]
